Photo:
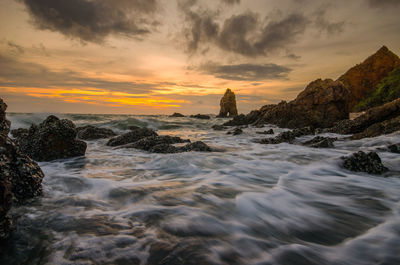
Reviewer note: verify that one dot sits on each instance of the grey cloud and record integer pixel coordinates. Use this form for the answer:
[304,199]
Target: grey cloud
[15,48]
[231,2]
[322,24]
[93,21]
[246,72]
[383,3]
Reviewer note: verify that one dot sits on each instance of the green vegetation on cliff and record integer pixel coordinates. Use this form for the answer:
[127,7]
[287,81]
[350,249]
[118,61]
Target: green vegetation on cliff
[387,90]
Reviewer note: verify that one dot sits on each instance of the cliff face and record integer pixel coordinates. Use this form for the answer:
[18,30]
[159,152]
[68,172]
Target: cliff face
[362,79]
[228,104]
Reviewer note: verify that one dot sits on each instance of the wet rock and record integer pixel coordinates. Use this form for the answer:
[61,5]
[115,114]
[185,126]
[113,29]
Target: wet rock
[244,119]
[131,137]
[321,142]
[237,131]
[200,116]
[157,144]
[198,146]
[91,132]
[20,177]
[50,140]
[228,105]
[363,162]
[394,148]
[270,131]
[288,137]
[20,132]
[380,128]
[218,127]
[134,127]
[177,115]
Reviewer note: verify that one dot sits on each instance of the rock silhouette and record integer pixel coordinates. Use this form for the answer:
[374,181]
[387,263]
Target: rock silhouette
[228,105]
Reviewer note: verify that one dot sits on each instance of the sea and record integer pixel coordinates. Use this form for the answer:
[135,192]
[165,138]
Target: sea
[244,203]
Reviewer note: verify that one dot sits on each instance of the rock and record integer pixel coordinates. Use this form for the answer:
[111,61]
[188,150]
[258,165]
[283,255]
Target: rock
[362,162]
[321,142]
[362,79]
[91,132]
[228,105]
[198,146]
[200,116]
[131,137]
[242,119]
[379,114]
[288,137]
[177,115]
[218,127]
[270,131]
[394,148]
[134,127]
[157,144]
[385,127]
[20,177]
[237,131]
[20,132]
[50,140]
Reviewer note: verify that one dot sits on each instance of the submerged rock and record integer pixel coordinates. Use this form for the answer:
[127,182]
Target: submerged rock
[321,142]
[237,131]
[177,115]
[228,105]
[157,144]
[200,116]
[91,132]
[50,140]
[20,177]
[394,148]
[288,137]
[197,146]
[131,137]
[362,162]
[218,127]
[270,131]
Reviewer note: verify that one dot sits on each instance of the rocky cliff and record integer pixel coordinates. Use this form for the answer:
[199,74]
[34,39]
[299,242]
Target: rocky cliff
[228,104]
[362,79]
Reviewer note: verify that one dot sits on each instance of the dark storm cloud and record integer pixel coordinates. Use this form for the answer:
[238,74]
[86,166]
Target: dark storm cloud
[14,73]
[93,20]
[246,72]
[383,3]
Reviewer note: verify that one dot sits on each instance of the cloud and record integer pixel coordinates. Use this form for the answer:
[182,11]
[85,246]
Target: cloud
[245,72]
[231,2]
[93,21]
[383,3]
[15,48]
[322,24]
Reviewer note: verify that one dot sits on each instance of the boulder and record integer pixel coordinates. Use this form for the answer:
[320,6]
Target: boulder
[362,162]
[237,131]
[228,105]
[50,140]
[320,142]
[394,148]
[90,132]
[20,177]
[156,144]
[131,137]
[197,146]
[362,79]
[177,115]
[270,131]
[288,137]
[218,127]
[20,132]
[380,128]
[200,116]
[242,119]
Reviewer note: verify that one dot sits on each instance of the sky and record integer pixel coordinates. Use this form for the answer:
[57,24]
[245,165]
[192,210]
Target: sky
[166,56]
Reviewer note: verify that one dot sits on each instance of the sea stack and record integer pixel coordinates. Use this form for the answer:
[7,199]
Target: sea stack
[228,105]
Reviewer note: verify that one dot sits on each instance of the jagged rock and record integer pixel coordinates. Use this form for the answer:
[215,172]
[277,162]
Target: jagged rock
[198,146]
[242,119]
[20,177]
[320,142]
[380,128]
[134,127]
[52,139]
[237,131]
[228,105]
[90,132]
[156,144]
[177,115]
[20,132]
[375,115]
[200,116]
[218,127]
[362,79]
[288,137]
[270,131]
[131,137]
[362,162]
[394,148]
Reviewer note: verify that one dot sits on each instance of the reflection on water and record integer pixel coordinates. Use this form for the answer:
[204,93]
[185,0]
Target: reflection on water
[251,204]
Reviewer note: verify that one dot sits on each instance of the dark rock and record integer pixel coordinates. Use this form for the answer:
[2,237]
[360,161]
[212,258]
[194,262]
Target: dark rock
[20,177]
[134,127]
[20,132]
[91,132]
[289,136]
[228,105]
[198,146]
[270,131]
[242,119]
[237,131]
[321,142]
[362,162]
[380,128]
[218,127]
[50,140]
[200,116]
[177,115]
[157,144]
[394,148]
[131,137]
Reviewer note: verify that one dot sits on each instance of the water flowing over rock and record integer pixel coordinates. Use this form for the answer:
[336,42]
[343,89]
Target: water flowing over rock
[177,115]
[134,135]
[320,142]
[363,162]
[228,105]
[20,177]
[289,136]
[200,117]
[362,79]
[52,139]
[91,132]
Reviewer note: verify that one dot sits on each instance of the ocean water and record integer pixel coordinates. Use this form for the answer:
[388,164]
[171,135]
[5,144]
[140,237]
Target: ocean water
[247,204]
